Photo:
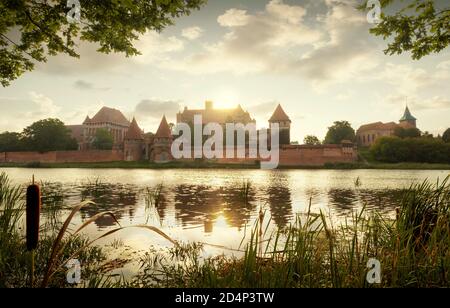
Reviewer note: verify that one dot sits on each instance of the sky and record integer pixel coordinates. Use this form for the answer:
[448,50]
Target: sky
[316,58]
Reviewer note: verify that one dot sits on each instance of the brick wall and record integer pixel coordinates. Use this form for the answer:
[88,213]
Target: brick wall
[289,156]
[303,155]
[62,156]
[316,155]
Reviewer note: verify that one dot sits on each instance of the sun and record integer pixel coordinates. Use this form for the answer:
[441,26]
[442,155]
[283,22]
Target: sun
[226,98]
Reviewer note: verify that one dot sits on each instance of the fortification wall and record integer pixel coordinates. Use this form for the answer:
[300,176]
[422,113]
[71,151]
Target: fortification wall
[290,156]
[62,156]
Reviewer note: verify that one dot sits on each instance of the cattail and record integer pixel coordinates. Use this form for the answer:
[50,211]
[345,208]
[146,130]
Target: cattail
[33,212]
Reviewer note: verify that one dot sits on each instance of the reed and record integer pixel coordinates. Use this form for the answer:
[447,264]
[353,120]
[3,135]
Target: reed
[56,247]
[412,249]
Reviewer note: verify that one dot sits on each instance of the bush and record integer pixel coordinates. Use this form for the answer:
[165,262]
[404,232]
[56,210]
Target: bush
[418,150]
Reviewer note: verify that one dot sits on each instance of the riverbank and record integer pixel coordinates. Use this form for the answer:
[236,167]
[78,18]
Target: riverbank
[212,165]
[411,250]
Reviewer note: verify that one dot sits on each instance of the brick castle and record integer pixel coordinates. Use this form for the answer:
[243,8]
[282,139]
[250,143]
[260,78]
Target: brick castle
[367,134]
[132,144]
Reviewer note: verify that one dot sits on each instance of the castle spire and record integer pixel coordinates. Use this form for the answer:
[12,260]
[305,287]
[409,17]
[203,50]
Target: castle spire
[164,130]
[134,132]
[279,115]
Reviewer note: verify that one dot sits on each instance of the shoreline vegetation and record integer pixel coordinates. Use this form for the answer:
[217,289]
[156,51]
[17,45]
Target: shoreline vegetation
[212,165]
[413,249]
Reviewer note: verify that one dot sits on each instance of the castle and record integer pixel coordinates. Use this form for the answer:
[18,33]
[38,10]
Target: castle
[131,143]
[136,145]
[367,134]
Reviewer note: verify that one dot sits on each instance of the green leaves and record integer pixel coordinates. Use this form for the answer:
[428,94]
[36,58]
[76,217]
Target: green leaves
[340,131]
[30,31]
[418,28]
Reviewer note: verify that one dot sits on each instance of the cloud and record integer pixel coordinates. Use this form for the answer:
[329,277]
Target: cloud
[417,103]
[85,86]
[45,106]
[283,39]
[154,47]
[415,83]
[254,43]
[156,108]
[233,18]
[263,110]
[445,65]
[192,33]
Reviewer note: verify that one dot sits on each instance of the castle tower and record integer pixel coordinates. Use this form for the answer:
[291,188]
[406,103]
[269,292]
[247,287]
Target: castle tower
[280,117]
[162,143]
[408,121]
[134,143]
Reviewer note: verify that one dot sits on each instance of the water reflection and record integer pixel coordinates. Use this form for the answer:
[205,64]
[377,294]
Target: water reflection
[202,205]
[344,199]
[118,198]
[213,202]
[280,203]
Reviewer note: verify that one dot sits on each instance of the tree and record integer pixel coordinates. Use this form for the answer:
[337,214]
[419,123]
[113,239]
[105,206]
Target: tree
[103,140]
[419,150]
[446,136]
[341,130]
[407,132]
[48,135]
[420,27]
[11,142]
[44,28]
[427,134]
[311,140]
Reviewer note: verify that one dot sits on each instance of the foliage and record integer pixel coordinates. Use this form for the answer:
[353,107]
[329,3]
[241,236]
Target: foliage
[421,27]
[48,135]
[32,30]
[413,249]
[103,140]
[446,136]
[311,140]
[11,142]
[420,150]
[407,132]
[341,130]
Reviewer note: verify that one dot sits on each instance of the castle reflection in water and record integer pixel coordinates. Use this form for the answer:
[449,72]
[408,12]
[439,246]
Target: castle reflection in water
[192,205]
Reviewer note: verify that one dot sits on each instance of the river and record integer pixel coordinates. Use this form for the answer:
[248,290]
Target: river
[208,205]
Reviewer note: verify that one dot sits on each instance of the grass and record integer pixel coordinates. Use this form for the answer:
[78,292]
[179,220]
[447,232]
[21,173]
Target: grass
[413,251]
[58,245]
[212,165]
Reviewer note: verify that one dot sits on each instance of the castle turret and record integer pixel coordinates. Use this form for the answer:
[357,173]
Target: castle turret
[161,151]
[134,146]
[408,121]
[280,117]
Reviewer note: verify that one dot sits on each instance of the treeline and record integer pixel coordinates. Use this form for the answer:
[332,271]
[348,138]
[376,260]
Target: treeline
[417,150]
[42,136]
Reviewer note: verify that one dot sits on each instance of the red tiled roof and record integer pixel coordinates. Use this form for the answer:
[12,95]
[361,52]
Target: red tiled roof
[134,132]
[87,120]
[164,130]
[279,115]
[110,115]
[76,131]
[378,126]
[220,116]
